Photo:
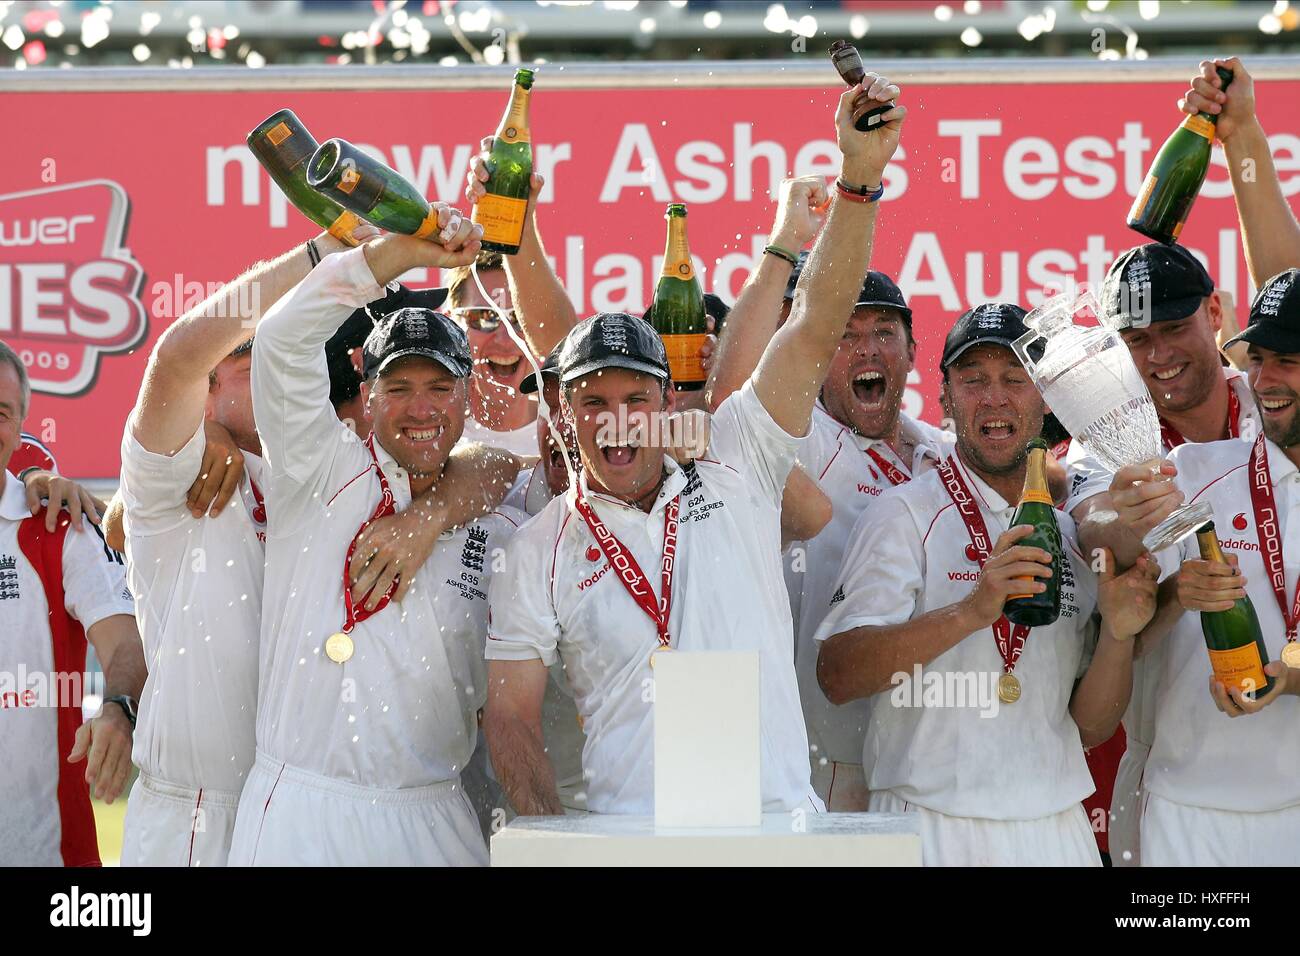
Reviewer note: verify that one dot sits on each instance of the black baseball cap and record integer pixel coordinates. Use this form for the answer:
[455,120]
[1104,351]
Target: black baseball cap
[879,289]
[550,366]
[612,340]
[1274,315]
[1155,283]
[417,331]
[997,323]
[345,380]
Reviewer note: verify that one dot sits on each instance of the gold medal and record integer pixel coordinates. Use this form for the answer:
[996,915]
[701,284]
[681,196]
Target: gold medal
[1291,654]
[339,648]
[1008,688]
[661,649]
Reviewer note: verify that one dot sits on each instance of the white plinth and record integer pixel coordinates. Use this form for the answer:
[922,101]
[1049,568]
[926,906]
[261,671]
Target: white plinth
[826,839]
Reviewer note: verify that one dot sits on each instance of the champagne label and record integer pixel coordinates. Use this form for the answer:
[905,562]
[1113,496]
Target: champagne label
[428,227]
[684,363]
[1034,494]
[515,134]
[341,228]
[1140,204]
[683,269]
[278,133]
[1240,668]
[1200,126]
[502,218]
[348,180]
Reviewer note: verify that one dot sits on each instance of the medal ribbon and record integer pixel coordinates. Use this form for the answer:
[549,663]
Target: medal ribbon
[1173,438]
[1269,532]
[630,573]
[386,507]
[892,472]
[1010,641]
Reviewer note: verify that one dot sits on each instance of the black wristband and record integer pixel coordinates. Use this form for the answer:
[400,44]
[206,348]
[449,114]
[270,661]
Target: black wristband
[22,475]
[313,253]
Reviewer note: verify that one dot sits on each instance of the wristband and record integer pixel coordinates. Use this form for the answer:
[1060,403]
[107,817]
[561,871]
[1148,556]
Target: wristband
[313,253]
[860,193]
[782,253]
[22,475]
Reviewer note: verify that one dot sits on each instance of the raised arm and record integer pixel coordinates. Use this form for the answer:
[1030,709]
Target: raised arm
[792,369]
[1269,230]
[170,406]
[513,725]
[754,318]
[545,311]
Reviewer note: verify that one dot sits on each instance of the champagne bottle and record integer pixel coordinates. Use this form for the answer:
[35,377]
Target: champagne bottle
[848,62]
[510,169]
[360,183]
[1036,508]
[1236,645]
[283,146]
[677,312]
[1175,177]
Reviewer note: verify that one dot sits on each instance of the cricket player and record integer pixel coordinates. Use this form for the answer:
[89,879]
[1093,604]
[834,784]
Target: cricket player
[367,707]
[922,587]
[719,520]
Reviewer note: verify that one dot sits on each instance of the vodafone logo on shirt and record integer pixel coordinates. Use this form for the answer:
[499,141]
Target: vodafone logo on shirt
[69,289]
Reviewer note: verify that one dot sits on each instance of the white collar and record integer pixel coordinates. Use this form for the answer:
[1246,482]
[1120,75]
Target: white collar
[672,485]
[909,430]
[992,502]
[13,501]
[1280,467]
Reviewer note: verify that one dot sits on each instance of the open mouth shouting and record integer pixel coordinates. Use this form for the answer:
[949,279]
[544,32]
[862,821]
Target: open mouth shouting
[998,430]
[869,388]
[620,455]
[499,369]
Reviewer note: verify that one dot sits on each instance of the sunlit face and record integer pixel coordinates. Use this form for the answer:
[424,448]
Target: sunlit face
[994,406]
[499,366]
[11,413]
[418,412]
[1275,380]
[1179,360]
[603,408]
[867,375]
[230,400]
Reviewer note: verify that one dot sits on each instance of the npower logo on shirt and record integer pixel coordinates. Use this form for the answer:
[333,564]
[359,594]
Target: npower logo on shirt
[69,288]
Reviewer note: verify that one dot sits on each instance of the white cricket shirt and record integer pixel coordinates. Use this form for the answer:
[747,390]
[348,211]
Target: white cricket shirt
[908,556]
[198,589]
[558,599]
[402,712]
[94,585]
[838,458]
[1200,756]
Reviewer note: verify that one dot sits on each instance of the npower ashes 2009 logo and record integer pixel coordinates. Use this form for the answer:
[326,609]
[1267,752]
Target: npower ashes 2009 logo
[69,289]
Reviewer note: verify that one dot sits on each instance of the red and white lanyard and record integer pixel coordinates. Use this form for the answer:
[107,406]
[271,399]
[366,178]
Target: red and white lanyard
[1267,526]
[1010,641]
[630,573]
[258,514]
[892,471]
[1173,437]
[386,506]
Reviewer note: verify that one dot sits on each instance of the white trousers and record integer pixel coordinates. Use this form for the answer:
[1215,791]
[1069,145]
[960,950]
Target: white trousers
[291,817]
[1176,834]
[1063,839]
[170,825]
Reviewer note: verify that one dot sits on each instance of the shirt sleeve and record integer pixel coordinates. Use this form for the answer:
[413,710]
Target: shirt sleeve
[744,436]
[154,485]
[882,576]
[299,430]
[94,578]
[1087,476]
[522,624]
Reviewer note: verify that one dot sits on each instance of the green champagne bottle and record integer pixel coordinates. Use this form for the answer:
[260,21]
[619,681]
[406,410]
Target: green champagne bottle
[510,169]
[1175,177]
[677,312]
[1037,508]
[283,146]
[380,195]
[1236,645]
